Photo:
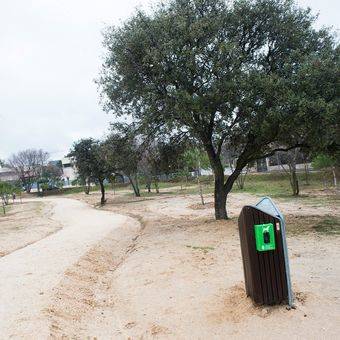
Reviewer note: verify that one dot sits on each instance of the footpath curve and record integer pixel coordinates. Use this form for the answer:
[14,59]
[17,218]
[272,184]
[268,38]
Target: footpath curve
[28,275]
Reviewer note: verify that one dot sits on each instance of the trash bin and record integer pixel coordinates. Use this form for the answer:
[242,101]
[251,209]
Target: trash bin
[264,253]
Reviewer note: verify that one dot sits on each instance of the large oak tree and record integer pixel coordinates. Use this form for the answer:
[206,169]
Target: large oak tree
[233,75]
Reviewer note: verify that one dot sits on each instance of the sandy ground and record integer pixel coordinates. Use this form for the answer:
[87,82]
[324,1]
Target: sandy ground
[184,279]
[24,224]
[177,274]
[30,276]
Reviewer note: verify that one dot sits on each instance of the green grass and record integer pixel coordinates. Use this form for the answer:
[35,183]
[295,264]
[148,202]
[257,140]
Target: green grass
[325,225]
[275,185]
[270,184]
[329,225]
[204,249]
[7,208]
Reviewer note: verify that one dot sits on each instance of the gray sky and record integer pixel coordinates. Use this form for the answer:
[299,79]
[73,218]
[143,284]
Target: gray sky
[50,52]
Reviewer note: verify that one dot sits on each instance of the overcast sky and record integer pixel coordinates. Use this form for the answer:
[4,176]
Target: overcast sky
[50,52]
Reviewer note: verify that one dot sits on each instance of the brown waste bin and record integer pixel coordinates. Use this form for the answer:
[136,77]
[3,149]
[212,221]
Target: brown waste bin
[264,254]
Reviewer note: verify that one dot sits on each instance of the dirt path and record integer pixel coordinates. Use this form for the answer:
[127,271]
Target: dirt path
[30,275]
[177,275]
[184,277]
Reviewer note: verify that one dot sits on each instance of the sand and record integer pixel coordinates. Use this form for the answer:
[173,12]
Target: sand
[168,271]
[30,275]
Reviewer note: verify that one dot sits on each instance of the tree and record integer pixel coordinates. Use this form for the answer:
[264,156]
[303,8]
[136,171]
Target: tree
[51,177]
[290,159]
[325,162]
[230,75]
[7,190]
[91,162]
[229,158]
[194,158]
[123,154]
[28,165]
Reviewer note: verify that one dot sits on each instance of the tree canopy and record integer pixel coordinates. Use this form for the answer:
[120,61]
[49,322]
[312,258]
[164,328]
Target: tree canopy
[28,165]
[90,161]
[243,75]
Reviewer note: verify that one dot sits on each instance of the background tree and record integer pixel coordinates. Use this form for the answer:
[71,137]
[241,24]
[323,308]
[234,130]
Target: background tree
[229,158]
[287,162]
[123,155]
[324,162]
[51,177]
[28,165]
[8,190]
[151,164]
[194,158]
[235,74]
[91,162]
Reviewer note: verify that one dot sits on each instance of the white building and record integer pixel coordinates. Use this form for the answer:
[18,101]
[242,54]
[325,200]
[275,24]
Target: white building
[69,171]
[8,175]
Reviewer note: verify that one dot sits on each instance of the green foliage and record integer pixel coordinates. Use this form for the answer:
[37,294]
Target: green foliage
[323,161]
[6,191]
[122,152]
[7,188]
[195,158]
[248,75]
[51,177]
[92,164]
[90,159]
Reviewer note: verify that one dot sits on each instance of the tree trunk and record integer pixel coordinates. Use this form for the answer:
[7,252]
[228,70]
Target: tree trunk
[200,189]
[134,186]
[220,196]
[294,182]
[334,178]
[156,184]
[148,186]
[3,208]
[306,173]
[220,192]
[221,189]
[102,190]
[87,186]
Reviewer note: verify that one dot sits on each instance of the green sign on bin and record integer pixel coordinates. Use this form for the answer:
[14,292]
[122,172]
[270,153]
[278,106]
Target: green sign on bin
[264,236]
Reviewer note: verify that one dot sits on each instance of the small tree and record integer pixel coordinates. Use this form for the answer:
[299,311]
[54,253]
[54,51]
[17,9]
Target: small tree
[91,162]
[28,165]
[7,190]
[51,177]
[123,155]
[195,158]
[325,162]
[290,160]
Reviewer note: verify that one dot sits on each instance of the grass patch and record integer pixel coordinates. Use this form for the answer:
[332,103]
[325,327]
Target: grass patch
[7,209]
[330,225]
[204,249]
[326,225]
[275,185]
